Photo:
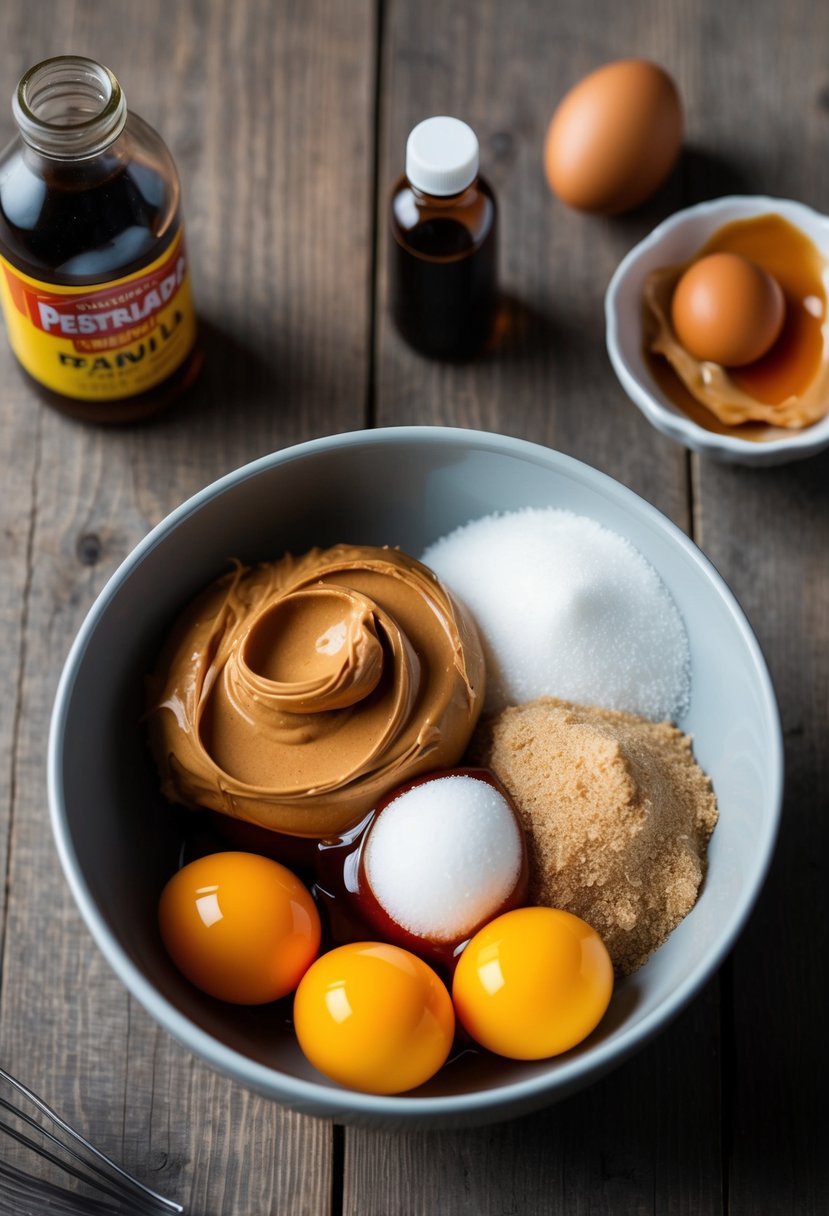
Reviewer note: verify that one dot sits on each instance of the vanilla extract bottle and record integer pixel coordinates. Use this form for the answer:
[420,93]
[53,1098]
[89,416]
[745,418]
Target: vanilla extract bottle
[94,281]
[443,247]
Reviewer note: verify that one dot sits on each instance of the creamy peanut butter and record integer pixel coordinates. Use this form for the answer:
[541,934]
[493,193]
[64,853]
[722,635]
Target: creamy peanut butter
[295,693]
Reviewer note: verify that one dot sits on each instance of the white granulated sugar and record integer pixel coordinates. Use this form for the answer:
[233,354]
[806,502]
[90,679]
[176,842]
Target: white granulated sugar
[567,608]
[443,856]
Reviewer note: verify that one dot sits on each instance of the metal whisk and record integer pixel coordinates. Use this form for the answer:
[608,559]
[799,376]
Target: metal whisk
[100,1187]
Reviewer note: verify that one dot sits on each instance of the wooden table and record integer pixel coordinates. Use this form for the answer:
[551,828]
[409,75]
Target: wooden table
[288,123]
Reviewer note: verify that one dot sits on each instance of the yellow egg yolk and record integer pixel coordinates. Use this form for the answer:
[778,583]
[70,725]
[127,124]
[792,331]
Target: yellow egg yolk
[239,926]
[374,1017]
[533,983]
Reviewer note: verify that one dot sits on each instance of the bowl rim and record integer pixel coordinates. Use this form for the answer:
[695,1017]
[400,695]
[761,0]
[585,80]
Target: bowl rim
[325,1099]
[674,424]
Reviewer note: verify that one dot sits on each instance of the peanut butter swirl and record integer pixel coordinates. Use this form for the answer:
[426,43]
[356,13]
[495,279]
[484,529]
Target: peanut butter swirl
[295,693]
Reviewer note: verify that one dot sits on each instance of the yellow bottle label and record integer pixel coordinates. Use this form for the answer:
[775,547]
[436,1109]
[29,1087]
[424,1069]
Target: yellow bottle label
[108,340]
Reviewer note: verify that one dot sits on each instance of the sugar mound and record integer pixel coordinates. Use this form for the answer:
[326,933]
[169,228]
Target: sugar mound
[618,816]
[443,856]
[567,608]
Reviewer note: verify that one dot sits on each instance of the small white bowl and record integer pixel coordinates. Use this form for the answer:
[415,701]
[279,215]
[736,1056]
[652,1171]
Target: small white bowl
[675,240]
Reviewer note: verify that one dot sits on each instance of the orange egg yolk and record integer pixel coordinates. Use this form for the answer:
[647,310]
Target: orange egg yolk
[239,926]
[533,983]
[374,1017]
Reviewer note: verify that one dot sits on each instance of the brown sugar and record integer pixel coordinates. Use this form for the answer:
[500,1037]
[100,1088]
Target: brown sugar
[618,815]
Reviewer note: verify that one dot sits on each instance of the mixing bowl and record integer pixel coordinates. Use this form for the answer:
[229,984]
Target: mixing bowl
[119,842]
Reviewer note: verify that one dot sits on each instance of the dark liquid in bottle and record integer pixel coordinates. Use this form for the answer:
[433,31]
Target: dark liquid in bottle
[445,298]
[74,229]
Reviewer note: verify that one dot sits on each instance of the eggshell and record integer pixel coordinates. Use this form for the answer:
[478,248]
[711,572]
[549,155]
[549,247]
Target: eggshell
[727,309]
[614,137]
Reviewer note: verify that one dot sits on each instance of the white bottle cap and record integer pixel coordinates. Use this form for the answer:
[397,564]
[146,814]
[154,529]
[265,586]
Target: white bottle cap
[442,156]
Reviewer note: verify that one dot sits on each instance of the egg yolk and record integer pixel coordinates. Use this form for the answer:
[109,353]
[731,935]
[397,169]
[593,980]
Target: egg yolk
[533,983]
[239,926]
[374,1017]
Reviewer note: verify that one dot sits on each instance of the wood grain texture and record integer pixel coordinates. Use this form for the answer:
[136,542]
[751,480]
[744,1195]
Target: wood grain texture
[287,148]
[502,69]
[779,1060]
[768,534]
[267,110]
[547,377]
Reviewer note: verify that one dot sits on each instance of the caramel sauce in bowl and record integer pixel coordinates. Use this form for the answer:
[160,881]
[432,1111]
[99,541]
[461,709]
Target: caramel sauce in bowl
[769,412]
[789,385]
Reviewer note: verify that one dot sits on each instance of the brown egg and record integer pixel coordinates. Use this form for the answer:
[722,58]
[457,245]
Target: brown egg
[726,309]
[614,137]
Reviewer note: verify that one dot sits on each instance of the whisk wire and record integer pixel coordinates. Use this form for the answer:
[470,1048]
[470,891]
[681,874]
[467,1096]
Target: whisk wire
[93,1168]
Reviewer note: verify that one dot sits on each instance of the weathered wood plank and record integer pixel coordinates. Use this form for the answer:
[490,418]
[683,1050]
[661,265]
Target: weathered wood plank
[502,69]
[548,378]
[268,111]
[20,425]
[767,532]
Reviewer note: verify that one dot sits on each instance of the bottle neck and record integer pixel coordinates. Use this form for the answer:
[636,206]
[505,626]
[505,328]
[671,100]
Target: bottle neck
[436,201]
[69,107]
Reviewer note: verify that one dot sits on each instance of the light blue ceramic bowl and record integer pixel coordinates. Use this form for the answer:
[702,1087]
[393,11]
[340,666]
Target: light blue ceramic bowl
[118,842]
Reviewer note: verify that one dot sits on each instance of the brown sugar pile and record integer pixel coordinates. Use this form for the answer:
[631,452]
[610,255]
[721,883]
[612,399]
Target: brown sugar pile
[618,815]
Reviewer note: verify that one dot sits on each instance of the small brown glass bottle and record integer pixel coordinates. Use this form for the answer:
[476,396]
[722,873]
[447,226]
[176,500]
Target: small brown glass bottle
[93,271]
[442,269]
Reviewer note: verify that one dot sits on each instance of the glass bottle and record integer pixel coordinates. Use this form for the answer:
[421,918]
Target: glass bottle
[443,261]
[93,270]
